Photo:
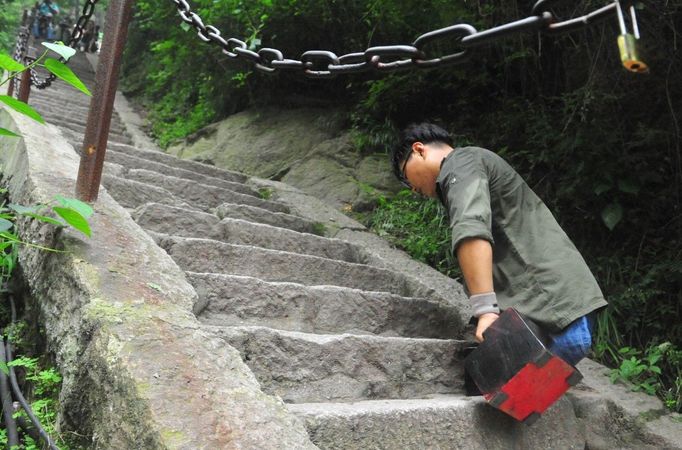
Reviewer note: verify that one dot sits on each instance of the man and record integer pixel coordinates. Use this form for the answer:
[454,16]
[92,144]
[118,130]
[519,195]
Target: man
[510,248]
[43,27]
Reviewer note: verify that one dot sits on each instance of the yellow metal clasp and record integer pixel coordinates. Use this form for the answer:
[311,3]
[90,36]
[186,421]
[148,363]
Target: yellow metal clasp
[627,42]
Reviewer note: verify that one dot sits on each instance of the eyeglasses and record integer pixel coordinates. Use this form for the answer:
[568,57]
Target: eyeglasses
[402,173]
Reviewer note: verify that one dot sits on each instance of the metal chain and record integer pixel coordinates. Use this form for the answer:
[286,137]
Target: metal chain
[76,35]
[326,64]
[20,48]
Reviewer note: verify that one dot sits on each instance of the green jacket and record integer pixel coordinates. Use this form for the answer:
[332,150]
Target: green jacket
[536,268]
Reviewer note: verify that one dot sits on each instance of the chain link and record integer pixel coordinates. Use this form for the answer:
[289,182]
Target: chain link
[326,64]
[76,35]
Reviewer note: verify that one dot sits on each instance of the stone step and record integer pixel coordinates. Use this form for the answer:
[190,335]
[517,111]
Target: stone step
[79,127]
[167,220]
[203,196]
[181,180]
[76,139]
[173,161]
[260,215]
[64,114]
[209,256]
[133,162]
[237,300]
[304,367]
[449,422]
[131,194]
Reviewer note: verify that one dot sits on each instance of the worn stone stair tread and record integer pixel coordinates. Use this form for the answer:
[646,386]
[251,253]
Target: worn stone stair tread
[445,422]
[76,138]
[305,367]
[238,300]
[131,194]
[260,215]
[206,255]
[181,163]
[169,220]
[134,162]
[182,183]
[204,196]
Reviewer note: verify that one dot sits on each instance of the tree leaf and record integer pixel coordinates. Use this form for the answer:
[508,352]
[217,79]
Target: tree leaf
[611,215]
[21,107]
[8,63]
[61,49]
[21,209]
[45,219]
[5,225]
[74,218]
[4,368]
[63,72]
[6,132]
[84,209]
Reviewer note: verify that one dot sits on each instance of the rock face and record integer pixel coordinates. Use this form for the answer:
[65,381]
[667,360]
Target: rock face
[307,148]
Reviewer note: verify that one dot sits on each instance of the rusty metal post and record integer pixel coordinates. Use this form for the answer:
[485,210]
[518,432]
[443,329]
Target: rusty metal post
[25,86]
[10,88]
[102,103]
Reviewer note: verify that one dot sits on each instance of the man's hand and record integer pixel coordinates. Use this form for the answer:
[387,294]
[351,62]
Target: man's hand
[484,321]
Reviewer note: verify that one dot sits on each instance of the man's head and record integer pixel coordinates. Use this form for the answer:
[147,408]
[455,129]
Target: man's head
[416,160]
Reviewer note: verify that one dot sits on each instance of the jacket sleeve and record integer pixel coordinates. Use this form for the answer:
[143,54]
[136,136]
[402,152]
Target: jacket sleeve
[467,198]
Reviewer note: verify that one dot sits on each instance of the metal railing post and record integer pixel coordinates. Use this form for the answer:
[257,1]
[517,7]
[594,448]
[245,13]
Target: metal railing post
[102,103]
[25,86]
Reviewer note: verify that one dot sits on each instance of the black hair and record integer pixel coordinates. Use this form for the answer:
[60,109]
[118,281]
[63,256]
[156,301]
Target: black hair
[426,133]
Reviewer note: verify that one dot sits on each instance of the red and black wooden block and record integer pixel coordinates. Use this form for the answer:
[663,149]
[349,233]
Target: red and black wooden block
[514,370]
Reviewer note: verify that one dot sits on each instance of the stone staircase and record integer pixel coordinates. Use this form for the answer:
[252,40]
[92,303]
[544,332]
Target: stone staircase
[365,356]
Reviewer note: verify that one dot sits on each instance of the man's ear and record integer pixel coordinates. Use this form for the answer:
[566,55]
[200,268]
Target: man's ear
[419,147]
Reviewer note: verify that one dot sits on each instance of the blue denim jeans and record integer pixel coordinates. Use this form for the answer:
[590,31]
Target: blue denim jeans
[574,342]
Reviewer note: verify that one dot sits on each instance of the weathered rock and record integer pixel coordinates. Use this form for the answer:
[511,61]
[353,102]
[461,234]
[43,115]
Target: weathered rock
[229,300]
[261,142]
[306,367]
[303,147]
[443,422]
[205,255]
[138,370]
[164,219]
[163,158]
[133,162]
[260,215]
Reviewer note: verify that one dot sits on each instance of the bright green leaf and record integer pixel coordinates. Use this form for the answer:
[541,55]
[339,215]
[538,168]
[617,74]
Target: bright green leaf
[7,63]
[611,215]
[84,209]
[5,225]
[4,368]
[74,218]
[61,49]
[21,107]
[63,72]
[5,132]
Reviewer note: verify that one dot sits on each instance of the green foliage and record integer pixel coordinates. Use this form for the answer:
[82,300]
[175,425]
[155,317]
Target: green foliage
[319,229]
[42,385]
[645,371]
[265,193]
[59,69]
[418,226]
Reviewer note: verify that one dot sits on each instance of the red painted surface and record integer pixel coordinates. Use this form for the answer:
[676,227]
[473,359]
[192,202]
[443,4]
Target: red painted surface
[534,389]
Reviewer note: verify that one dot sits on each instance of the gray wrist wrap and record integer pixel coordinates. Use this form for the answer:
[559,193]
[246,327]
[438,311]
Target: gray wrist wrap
[484,303]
